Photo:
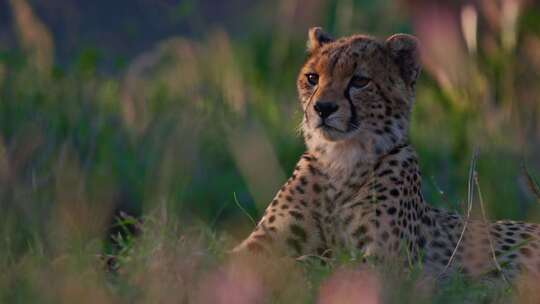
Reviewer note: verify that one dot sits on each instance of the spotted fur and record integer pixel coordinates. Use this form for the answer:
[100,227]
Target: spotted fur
[358,186]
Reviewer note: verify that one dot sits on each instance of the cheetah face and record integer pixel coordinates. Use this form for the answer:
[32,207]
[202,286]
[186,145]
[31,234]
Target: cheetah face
[357,90]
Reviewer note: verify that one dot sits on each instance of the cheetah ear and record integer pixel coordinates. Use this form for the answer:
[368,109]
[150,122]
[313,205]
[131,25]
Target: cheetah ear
[317,38]
[404,50]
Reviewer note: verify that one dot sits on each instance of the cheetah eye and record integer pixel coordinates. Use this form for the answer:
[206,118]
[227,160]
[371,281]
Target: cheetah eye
[312,78]
[359,82]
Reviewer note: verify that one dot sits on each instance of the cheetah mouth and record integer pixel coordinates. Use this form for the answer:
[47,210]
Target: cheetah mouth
[333,133]
[330,132]
[323,126]
[326,127]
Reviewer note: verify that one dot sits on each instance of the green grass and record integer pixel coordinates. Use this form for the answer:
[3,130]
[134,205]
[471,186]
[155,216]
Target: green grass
[169,263]
[190,139]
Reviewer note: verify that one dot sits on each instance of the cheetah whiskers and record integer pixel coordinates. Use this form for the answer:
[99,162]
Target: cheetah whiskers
[299,130]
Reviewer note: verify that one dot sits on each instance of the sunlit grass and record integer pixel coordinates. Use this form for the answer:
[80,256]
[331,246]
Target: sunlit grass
[193,134]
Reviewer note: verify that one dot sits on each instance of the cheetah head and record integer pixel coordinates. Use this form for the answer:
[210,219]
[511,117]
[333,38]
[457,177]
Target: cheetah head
[356,93]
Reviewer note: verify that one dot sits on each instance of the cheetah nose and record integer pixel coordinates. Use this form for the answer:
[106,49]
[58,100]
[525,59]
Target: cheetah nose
[325,108]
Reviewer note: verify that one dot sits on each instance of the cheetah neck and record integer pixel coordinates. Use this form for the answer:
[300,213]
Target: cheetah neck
[339,160]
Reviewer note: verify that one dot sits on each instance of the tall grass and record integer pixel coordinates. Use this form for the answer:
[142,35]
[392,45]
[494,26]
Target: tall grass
[191,128]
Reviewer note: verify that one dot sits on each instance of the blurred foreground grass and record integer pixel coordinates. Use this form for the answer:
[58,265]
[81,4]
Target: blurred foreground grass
[191,128]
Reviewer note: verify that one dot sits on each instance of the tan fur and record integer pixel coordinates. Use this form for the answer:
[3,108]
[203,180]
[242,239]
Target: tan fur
[358,186]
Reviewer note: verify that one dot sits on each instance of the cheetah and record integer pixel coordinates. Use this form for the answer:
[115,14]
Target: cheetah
[358,185]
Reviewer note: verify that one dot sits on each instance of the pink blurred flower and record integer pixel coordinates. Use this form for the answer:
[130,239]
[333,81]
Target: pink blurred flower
[234,284]
[350,286]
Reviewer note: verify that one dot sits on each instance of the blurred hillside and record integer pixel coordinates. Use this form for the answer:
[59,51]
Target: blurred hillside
[187,110]
[122,29]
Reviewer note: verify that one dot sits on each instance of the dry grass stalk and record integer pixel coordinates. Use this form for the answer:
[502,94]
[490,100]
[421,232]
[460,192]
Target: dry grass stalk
[484,218]
[441,192]
[534,187]
[470,196]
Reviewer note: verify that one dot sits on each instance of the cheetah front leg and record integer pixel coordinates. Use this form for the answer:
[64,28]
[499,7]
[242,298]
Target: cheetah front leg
[291,224]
